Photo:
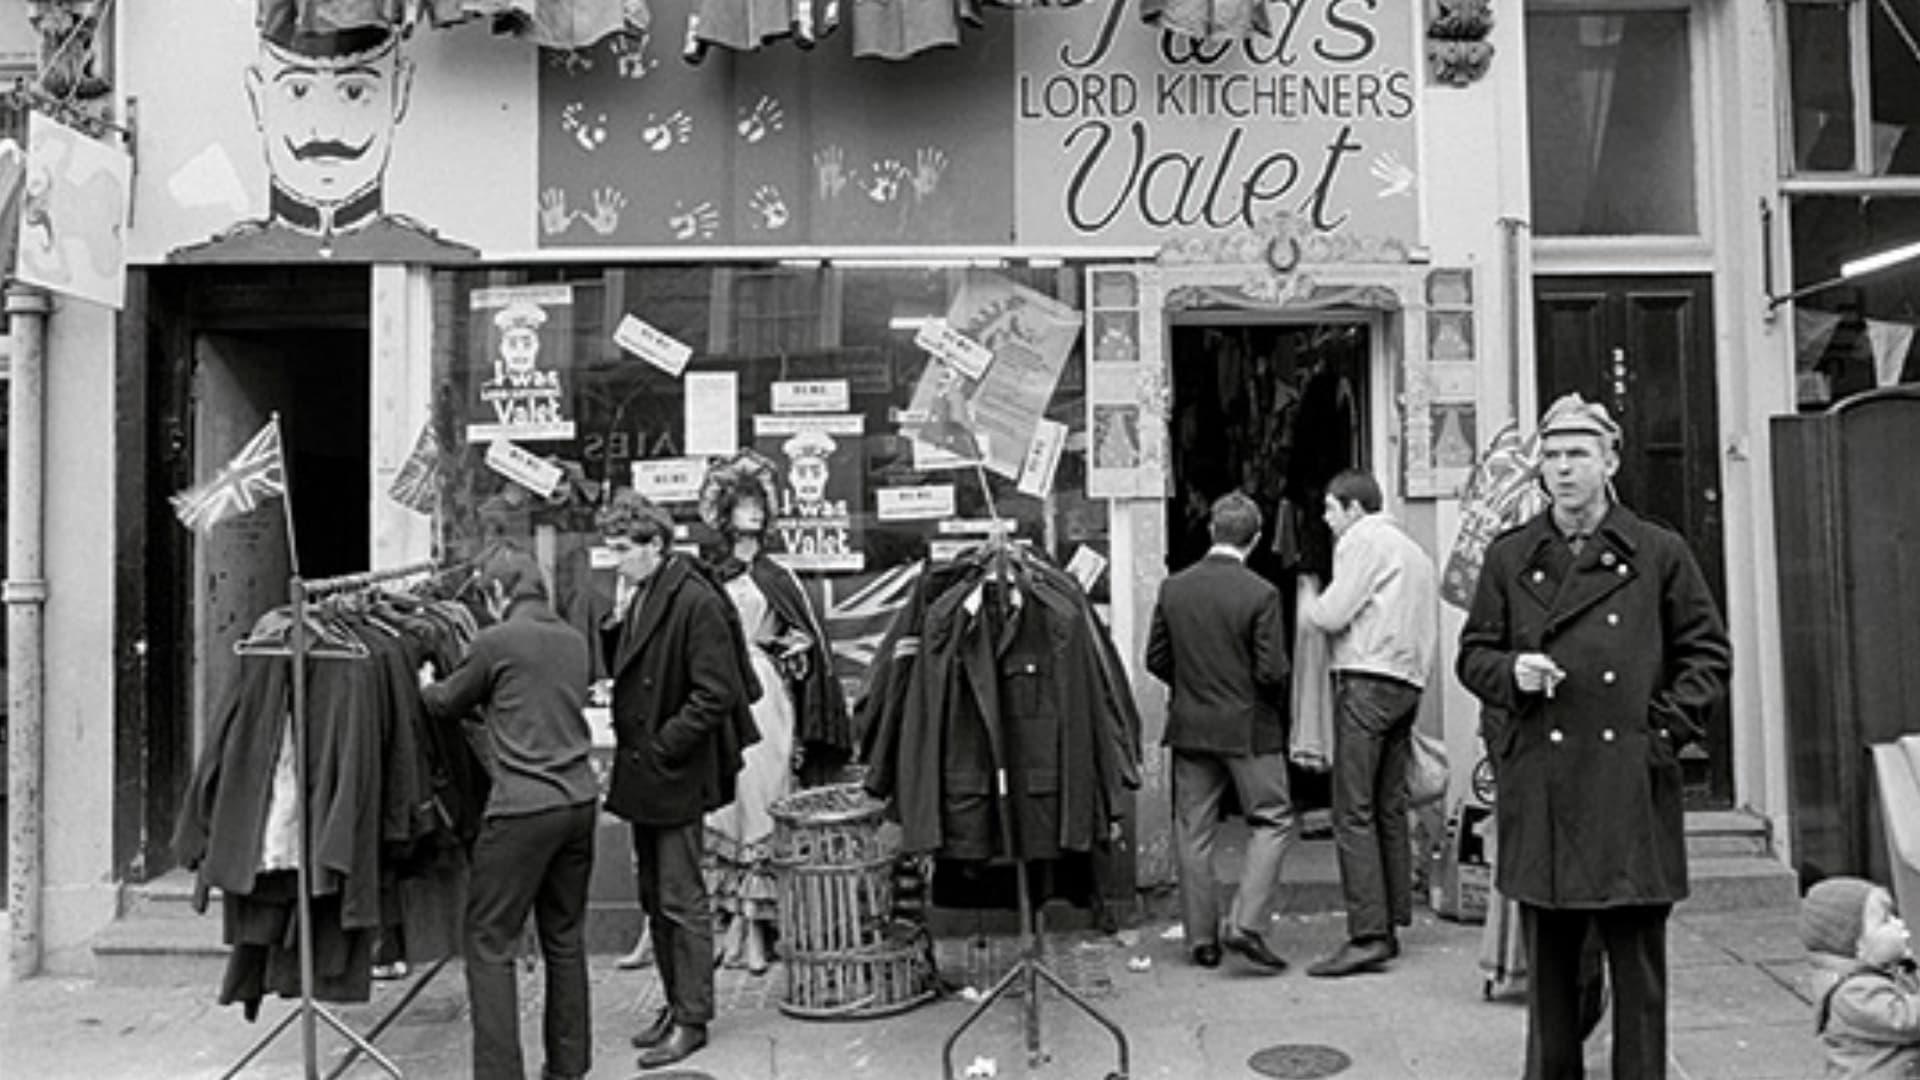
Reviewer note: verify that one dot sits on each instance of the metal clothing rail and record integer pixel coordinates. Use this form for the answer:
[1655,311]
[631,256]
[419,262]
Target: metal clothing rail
[300,592]
[1031,969]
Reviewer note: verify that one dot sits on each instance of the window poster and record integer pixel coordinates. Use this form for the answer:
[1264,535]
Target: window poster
[993,419]
[526,333]
[821,463]
[1125,443]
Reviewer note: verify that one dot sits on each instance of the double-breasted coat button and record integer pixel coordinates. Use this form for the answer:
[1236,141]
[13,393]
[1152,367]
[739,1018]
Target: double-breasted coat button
[1622,568]
[1613,618]
[1539,576]
[1606,734]
[1556,735]
[1607,677]
[1607,559]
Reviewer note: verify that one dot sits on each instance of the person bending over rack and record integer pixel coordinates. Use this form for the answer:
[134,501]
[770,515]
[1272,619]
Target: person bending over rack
[528,674]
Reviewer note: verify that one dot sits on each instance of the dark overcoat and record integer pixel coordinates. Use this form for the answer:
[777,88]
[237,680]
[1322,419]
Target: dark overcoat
[680,702]
[1589,805]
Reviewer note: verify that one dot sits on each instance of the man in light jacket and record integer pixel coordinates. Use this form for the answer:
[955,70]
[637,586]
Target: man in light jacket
[1382,611]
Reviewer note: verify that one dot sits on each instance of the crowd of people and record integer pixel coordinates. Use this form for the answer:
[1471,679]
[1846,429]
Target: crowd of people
[1592,642]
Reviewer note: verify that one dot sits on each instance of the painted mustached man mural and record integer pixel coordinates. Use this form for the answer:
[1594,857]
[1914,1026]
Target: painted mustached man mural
[327,103]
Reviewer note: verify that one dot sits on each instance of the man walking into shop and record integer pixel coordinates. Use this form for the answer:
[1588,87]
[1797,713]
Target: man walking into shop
[1216,640]
[1593,635]
[527,675]
[680,720]
[1382,610]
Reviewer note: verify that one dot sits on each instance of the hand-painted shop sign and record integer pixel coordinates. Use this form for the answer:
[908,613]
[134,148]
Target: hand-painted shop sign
[1079,127]
[1125,136]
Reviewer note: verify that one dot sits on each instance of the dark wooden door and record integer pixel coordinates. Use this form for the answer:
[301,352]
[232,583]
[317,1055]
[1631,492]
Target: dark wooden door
[1643,346]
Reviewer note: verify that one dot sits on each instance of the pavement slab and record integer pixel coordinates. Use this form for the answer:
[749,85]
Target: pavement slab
[1735,1016]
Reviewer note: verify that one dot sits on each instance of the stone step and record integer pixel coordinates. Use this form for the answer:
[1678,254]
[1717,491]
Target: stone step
[168,949]
[1725,833]
[1726,883]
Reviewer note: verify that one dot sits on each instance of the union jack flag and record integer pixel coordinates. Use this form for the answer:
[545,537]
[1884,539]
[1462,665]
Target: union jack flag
[857,613]
[255,474]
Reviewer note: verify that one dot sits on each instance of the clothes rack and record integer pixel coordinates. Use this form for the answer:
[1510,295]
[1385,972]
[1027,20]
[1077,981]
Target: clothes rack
[298,648]
[1031,969]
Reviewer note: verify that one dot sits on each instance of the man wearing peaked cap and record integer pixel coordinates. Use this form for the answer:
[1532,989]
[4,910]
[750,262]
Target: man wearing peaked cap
[326,101]
[1593,635]
[1570,413]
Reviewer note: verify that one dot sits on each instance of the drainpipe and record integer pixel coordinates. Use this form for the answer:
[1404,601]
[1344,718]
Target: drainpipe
[25,594]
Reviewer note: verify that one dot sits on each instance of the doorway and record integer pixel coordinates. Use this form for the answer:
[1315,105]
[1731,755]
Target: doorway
[1643,346]
[1273,409]
[316,381]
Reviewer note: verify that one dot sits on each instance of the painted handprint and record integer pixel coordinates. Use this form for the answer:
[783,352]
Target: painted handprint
[588,133]
[630,55]
[607,204]
[884,185]
[662,134]
[928,166]
[771,207]
[830,169]
[1397,178]
[554,216]
[696,223]
[765,118]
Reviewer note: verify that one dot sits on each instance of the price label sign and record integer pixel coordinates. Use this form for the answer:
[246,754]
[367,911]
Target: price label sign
[536,474]
[656,347]
[928,502]
[968,357]
[813,396]
[670,480]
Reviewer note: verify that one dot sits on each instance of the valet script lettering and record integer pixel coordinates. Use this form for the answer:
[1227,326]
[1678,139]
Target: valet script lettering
[1179,133]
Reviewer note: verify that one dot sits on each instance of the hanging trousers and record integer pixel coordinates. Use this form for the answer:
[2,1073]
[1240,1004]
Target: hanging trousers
[1635,941]
[673,895]
[1372,745]
[539,862]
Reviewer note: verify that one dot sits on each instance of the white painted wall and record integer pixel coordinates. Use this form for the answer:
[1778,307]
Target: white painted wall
[79,892]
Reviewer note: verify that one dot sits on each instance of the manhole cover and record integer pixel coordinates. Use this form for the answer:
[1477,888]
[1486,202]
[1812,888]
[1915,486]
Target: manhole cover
[1299,1061]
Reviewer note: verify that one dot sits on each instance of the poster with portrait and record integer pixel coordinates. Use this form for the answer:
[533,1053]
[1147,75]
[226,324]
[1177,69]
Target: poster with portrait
[524,338]
[993,419]
[822,466]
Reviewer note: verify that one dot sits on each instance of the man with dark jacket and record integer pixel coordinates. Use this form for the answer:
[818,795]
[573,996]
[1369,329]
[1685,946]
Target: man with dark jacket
[1595,641]
[528,675]
[1216,640]
[680,720]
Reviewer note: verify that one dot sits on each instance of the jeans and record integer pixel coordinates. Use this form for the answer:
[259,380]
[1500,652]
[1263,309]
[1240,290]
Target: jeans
[1372,746]
[673,894]
[539,862]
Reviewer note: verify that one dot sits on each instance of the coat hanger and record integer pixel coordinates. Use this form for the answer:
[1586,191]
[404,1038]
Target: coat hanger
[271,635]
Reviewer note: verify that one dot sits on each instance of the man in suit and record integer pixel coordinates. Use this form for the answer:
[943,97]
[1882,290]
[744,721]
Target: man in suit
[528,676]
[1216,640]
[1594,640]
[680,721]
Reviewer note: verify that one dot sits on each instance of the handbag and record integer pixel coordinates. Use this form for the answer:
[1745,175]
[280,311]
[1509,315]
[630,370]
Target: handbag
[1426,770]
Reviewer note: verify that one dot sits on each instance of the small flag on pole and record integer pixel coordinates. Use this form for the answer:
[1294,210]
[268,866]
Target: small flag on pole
[255,473]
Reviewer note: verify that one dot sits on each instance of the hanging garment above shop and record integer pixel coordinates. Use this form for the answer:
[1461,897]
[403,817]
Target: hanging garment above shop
[1209,20]
[745,25]
[551,24]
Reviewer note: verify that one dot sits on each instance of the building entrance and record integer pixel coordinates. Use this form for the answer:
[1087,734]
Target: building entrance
[1273,409]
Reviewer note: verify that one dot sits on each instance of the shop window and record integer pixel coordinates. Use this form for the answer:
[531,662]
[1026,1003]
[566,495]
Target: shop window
[1860,334]
[638,376]
[1610,121]
[1853,84]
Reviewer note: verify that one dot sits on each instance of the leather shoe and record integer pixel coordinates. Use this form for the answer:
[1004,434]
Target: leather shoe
[1352,958]
[653,1033]
[1207,956]
[1393,946]
[1253,947]
[683,1040]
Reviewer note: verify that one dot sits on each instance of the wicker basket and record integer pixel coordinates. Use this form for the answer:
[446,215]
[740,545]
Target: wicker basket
[845,955]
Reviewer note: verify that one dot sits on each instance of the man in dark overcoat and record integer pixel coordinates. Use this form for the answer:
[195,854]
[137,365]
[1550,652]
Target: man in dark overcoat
[680,721]
[1594,637]
[1216,639]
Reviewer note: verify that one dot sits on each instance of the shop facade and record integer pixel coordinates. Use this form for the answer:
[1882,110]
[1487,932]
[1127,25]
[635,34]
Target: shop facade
[617,263]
